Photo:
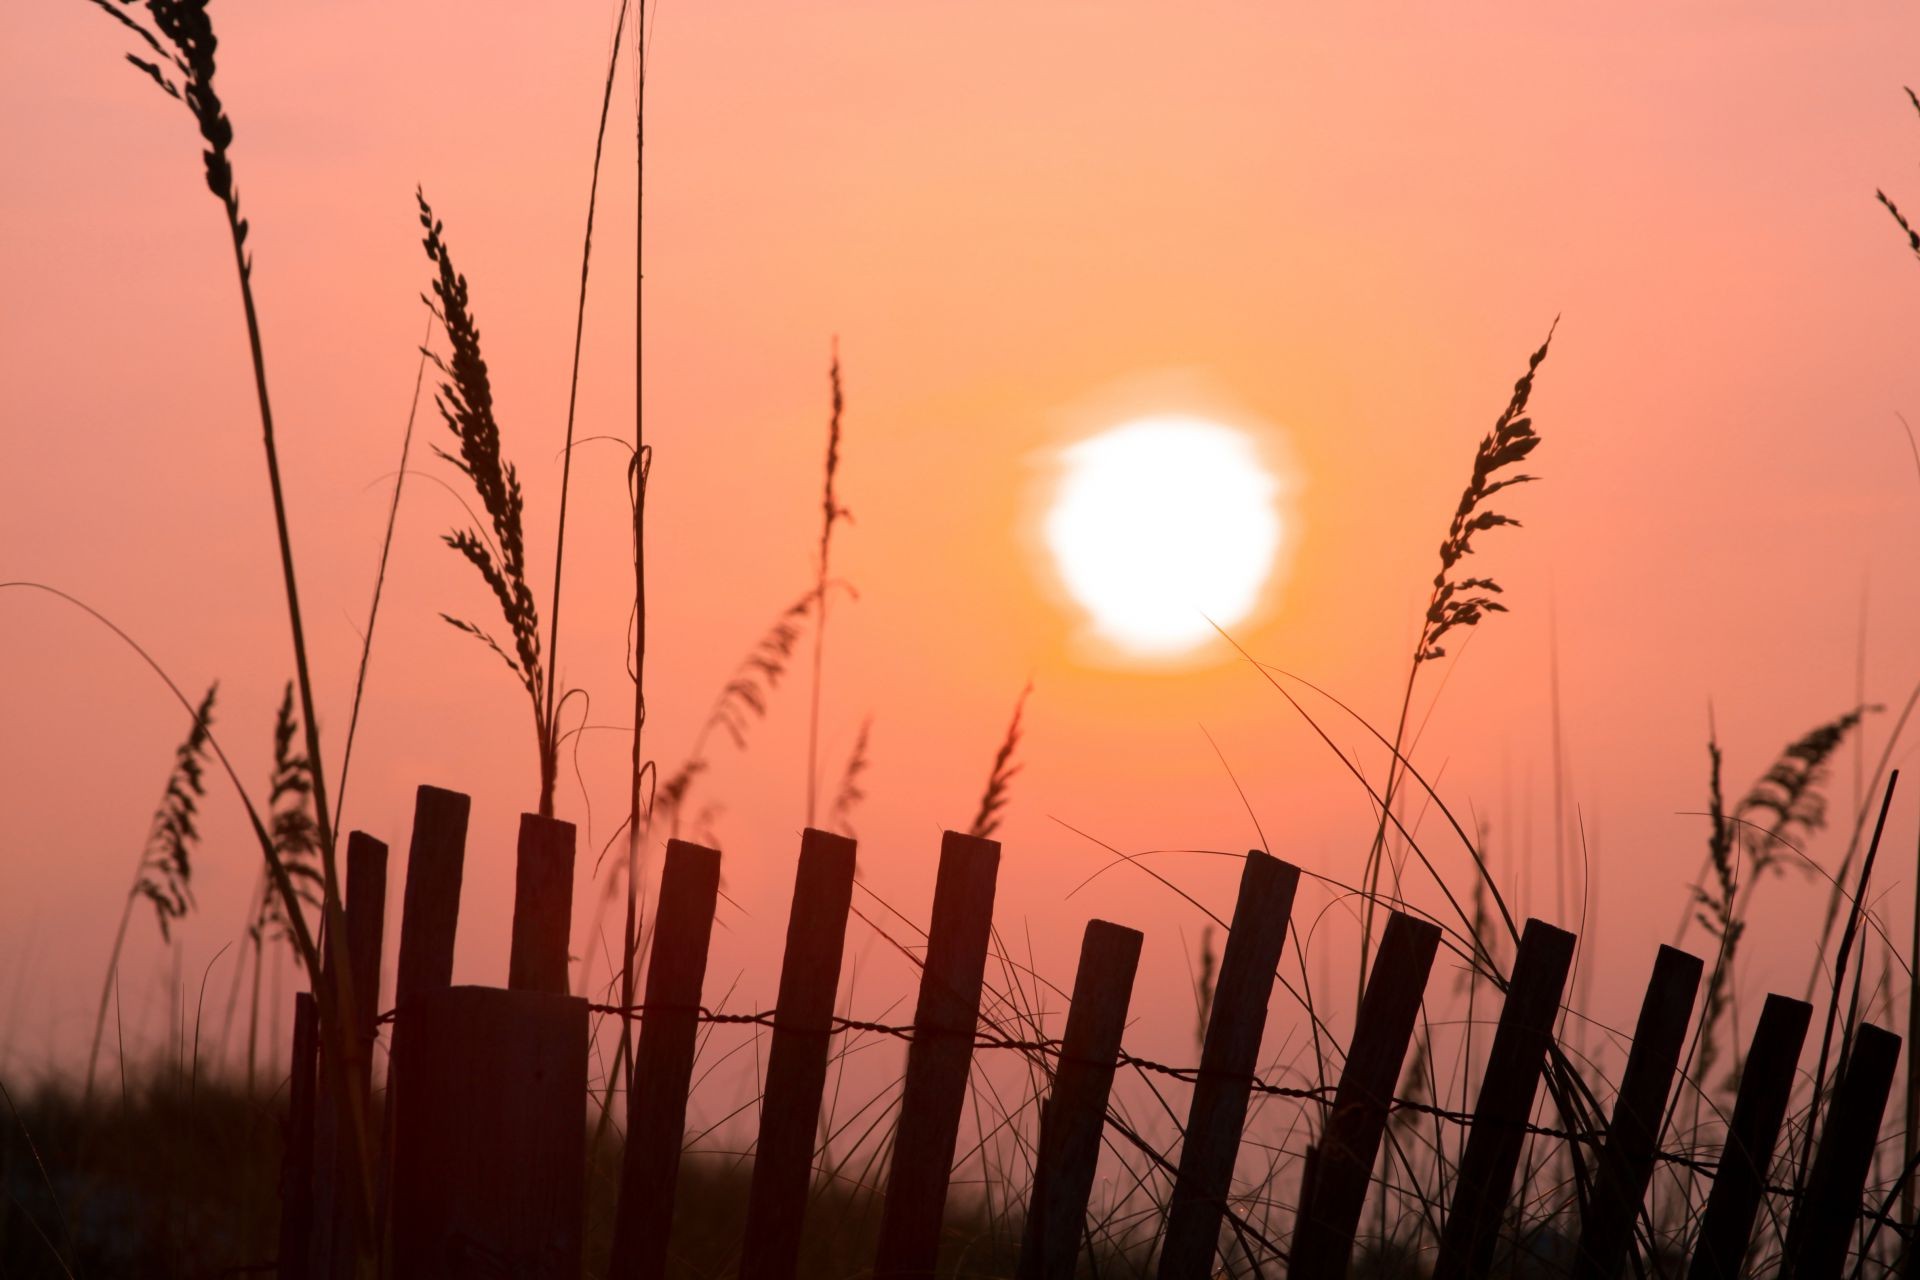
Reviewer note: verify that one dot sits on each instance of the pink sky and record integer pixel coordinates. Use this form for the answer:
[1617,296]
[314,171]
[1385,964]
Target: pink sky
[1352,226]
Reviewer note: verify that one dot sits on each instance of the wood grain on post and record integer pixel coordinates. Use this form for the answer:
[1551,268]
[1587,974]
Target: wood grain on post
[663,1060]
[542,906]
[1823,1226]
[1323,1236]
[429,920]
[1507,1090]
[296,1169]
[938,1060]
[1076,1110]
[335,1179]
[1740,1184]
[1228,1059]
[1633,1131]
[797,1059]
[489,1175]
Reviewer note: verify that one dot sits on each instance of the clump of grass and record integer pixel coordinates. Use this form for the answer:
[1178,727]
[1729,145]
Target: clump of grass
[831,513]
[164,876]
[993,800]
[465,401]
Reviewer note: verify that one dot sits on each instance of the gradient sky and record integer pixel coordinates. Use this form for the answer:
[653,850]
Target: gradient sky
[1021,221]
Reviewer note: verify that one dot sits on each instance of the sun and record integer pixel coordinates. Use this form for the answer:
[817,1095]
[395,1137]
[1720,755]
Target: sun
[1162,527]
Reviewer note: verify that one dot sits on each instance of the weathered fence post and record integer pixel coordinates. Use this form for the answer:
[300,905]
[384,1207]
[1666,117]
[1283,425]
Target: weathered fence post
[663,1061]
[429,919]
[1633,1132]
[1766,1086]
[1823,1226]
[938,1060]
[1323,1235]
[542,906]
[489,1173]
[335,1239]
[1227,1063]
[1076,1110]
[797,1060]
[296,1168]
[1507,1090]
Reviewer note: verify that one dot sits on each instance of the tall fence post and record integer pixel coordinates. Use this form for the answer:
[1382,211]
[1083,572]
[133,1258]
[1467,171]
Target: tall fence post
[429,920]
[1227,1063]
[1633,1132]
[797,1060]
[1076,1109]
[944,1026]
[296,1169]
[1323,1236]
[1740,1183]
[489,1173]
[1821,1229]
[335,1238]
[1507,1090]
[663,1061]
[542,906]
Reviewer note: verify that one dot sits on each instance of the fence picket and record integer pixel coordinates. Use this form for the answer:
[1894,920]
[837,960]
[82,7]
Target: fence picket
[1823,1227]
[944,1024]
[663,1060]
[797,1059]
[1323,1236]
[542,905]
[1507,1091]
[1740,1183]
[1076,1110]
[296,1168]
[1633,1132]
[429,919]
[334,1237]
[1227,1062]
[489,1175]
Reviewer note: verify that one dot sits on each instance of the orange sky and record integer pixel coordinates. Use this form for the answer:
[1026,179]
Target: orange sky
[1352,225]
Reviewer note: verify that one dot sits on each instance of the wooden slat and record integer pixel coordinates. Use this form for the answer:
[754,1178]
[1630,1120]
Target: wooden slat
[335,1178]
[797,1059]
[429,921]
[1821,1231]
[663,1061]
[1633,1132]
[296,1167]
[1323,1237]
[938,1060]
[489,1173]
[542,905]
[1228,1060]
[1076,1110]
[1484,1180]
[1740,1183]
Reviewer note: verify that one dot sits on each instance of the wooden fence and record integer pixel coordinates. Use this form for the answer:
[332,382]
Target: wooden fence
[456,1197]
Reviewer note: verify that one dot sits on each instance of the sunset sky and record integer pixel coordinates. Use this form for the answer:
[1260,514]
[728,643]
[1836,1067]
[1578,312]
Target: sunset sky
[1341,229]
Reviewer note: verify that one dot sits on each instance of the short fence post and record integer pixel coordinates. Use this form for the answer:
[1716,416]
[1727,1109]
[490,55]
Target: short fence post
[296,1168]
[944,1027]
[542,906]
[1821,1230]
[1633,1132]
[663,1061]
[335,1180]
[1323,1235]
[1766,1086]
[1227,1063]
[797,1059]
[489,1173]
[1076,1110]
[1507,1090]
[429,919]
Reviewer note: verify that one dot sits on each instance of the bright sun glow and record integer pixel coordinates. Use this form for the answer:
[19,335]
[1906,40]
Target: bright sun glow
[1162,524]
